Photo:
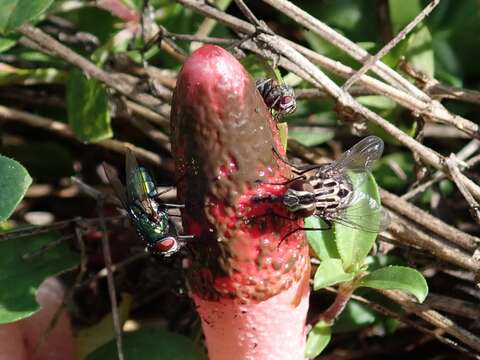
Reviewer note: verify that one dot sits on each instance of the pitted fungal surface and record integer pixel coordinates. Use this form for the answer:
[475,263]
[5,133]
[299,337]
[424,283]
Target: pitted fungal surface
[222,139]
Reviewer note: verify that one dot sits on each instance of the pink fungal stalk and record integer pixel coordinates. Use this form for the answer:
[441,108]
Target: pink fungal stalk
[249,280]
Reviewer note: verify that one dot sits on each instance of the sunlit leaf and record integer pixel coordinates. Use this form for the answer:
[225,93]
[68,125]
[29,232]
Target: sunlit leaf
[330,272]
[87,105]
[400,278]
[14,182]
[321,241]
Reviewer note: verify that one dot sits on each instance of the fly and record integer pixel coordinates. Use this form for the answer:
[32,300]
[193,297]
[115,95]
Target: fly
[330,194]
[147,213]
[277,97]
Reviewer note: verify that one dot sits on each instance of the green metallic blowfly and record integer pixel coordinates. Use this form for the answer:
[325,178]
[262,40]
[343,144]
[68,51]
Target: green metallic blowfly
[142,202]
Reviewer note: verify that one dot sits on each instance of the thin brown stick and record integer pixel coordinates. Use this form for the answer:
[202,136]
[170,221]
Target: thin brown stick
[408,233]
[62,129]
[435,318]
[391,44]
[455,174]
[123,87]
[453,306]
[340,41]
[435,225]
[423,106]
[414,324]
[110,283]
[463,154]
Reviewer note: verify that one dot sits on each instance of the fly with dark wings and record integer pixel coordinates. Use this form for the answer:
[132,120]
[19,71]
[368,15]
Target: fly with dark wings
[330,194]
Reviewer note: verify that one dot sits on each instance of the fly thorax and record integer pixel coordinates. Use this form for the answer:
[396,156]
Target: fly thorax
[332,194]
[299,200]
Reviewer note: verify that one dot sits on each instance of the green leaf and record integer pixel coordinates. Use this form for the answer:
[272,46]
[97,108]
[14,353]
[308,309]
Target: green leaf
[17,12]
[7,42]
[318,339]
[22,277]
[400,278]
[309,138]
[354,244]
[330,272]
[151,344]
[87,105]
[420,51]
[402,12]
[377,102]
[322,241]
[14,182]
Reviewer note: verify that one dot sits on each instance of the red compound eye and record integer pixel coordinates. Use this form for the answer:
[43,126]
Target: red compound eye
[286,99]
[165,245]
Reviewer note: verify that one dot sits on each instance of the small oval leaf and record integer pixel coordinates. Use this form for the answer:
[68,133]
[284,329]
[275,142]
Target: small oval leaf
[14,182]
[330,272]
[87,105]
[318,339]
[400,278]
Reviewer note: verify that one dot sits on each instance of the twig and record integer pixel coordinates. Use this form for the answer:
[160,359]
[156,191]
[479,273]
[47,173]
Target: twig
[437,90]
[455,174]
[202,39]
[435,225]
[390,313]
[453,306]
[110,282]
[463,154]
[345,44]
[434,318]
[64,131]
[52,45]
[391,44]
[431,109]
[207,24]
[410,234]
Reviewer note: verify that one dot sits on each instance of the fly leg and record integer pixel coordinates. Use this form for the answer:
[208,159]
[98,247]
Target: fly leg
[299,170]
[328,227]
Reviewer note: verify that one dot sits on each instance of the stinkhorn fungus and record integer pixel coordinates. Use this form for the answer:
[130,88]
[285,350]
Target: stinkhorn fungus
[249,269]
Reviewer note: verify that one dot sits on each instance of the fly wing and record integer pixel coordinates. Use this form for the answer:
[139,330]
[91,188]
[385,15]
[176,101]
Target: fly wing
[364,213]
[117,186]
[141,188]
[133,179]
[360,157]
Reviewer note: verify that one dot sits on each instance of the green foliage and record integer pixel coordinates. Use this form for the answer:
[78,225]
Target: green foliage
[354,244]
[398,277]
[151,344]
[14,182]
[87,104]
[22,276]
[330,272]
[309,138]
[318,339]
[17,12]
